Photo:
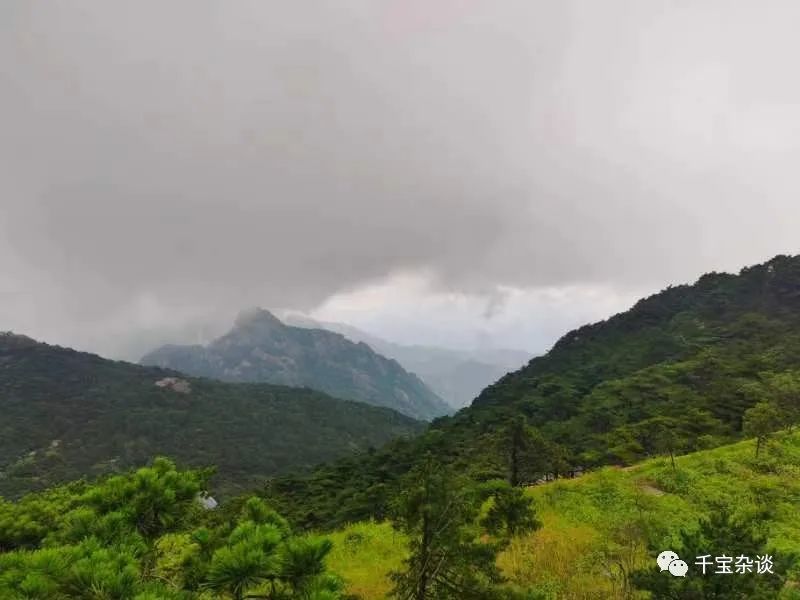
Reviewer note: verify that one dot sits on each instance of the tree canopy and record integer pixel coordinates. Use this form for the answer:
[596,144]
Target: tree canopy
[145,535]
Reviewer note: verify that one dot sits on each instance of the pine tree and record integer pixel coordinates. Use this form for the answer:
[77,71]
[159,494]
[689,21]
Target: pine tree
[528,454]
[510,511]
[761,421]
[719,535]
[447,560]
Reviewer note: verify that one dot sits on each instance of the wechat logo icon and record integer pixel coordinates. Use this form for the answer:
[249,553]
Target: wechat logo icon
[669,561]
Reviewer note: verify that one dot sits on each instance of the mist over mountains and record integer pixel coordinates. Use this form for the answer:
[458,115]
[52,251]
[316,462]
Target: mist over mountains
[261,348]
[677,372]
[458,376]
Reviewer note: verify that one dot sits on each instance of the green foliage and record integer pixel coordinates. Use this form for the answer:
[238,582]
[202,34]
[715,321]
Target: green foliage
[661,435]
[598,529]
[674,374]
[760,421]
[438,512]
[25,524]
[144,535]
[68,414]
[782,390]
[364,554]
[510,511]
[718,535]
[248,559]
[529,455]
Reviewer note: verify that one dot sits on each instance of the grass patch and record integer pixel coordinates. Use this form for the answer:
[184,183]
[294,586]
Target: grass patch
[594,526]
[364,554]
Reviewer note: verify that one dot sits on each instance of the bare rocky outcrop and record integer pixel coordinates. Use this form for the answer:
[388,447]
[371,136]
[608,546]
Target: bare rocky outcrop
[176,384]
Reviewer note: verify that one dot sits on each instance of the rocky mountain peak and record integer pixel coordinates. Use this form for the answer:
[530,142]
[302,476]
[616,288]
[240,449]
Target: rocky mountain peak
[257,318]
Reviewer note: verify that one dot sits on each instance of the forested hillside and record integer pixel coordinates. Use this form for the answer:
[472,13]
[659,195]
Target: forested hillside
[66,414]
[152,534]
[674,374]
[261,348]
[600,533]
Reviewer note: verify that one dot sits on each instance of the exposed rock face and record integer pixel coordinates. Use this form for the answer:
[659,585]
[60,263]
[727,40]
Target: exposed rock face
[260,348]
[206,501]
[175,384]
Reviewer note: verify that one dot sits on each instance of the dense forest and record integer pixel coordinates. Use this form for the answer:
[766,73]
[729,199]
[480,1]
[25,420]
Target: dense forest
[676,373]
[66,414]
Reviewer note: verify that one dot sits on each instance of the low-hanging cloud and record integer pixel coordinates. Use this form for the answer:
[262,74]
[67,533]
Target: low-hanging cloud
[162,161]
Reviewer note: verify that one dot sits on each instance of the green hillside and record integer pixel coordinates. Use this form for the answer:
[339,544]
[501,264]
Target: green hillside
[676,373]
[145,535]
[262,349]
[601,528]
[66,414]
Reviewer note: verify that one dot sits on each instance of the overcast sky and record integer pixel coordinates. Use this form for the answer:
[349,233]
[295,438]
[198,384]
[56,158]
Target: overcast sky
[456,172]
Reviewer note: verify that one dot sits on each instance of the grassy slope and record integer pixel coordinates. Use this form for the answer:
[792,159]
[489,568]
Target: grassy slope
[364,553]
[577,552]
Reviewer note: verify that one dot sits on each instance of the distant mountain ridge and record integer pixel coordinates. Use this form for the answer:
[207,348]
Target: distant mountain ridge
[67,414]
[261,348]
[457,376]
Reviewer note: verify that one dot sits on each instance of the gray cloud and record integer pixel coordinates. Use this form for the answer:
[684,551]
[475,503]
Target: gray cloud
[162,162]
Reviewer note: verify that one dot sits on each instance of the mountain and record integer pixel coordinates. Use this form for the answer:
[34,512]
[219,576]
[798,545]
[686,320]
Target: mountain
[66,414]
[457,376]
[676,373]
[261,348]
